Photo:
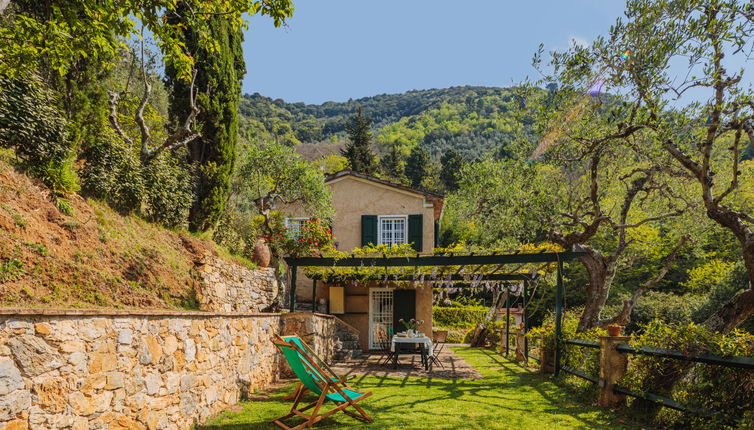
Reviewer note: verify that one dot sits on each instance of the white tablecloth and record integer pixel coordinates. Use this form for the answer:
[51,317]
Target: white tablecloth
[427,342]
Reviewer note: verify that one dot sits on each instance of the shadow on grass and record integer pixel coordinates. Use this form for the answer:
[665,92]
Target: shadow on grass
[506,394]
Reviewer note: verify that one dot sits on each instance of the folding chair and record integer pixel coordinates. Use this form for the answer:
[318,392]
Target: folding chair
[439,338]
[384,342]
[301,344]
[313,378]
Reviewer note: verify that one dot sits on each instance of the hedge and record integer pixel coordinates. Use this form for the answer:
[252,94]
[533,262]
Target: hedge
[458,317]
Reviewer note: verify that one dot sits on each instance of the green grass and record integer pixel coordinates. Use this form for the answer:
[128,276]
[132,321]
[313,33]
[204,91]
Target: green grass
[509,397]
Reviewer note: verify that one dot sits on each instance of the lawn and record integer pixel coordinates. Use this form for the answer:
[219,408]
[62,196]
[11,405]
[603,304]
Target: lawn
[507,397]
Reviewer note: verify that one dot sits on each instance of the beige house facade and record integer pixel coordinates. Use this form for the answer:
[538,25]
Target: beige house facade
[371,210]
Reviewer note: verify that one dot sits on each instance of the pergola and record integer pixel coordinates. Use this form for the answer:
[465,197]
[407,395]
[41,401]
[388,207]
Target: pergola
[456,268]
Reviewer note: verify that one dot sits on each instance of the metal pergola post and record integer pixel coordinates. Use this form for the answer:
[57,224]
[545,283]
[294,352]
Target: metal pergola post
[558,316]
[314,295]
[507,318]
[292,296]
[526,322]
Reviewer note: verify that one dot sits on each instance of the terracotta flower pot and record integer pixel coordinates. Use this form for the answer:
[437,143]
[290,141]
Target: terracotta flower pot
[614,330]
[262,253]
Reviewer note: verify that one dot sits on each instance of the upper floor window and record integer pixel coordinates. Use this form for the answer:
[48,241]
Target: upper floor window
[392,230]
[295,225]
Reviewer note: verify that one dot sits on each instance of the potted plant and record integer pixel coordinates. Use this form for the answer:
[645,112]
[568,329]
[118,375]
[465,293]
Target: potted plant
[411,325]
[614,330]
[261,253]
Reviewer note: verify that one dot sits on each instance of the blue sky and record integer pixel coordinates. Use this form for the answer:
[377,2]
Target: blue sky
[341,49]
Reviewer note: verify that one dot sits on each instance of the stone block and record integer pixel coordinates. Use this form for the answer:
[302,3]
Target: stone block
[125,336]
[13,403]
[52,394]
[10,377]
[34,355]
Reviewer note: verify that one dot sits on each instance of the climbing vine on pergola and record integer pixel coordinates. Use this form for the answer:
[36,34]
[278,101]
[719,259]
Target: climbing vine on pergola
[444,268]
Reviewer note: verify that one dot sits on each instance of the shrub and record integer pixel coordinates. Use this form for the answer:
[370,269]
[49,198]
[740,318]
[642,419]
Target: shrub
[32,126]
[725,392]
[113,174]
[667,307]
[573,356]
[458,317]
[720,293]
[170,191]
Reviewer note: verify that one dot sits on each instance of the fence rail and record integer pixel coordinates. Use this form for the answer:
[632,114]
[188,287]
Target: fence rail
[580,374]
[736,362]
[582,342]
[623,349]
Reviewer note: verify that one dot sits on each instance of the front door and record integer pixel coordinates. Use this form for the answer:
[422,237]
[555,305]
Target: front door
[380,314]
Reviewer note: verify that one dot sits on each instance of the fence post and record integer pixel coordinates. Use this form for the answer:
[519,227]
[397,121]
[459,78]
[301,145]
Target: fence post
[547,356]
[502,340]
[613,365]
[520,339]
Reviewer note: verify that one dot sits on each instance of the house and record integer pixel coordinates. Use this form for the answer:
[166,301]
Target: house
[372,210]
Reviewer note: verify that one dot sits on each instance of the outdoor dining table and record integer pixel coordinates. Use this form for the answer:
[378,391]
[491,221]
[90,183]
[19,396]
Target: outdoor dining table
[424,342]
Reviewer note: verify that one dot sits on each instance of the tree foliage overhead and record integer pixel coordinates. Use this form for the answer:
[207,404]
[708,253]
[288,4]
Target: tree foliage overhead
[702,136]
[57,34]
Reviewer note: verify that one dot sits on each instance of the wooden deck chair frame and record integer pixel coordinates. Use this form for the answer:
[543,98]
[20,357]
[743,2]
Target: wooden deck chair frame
[314,378]
[321,362]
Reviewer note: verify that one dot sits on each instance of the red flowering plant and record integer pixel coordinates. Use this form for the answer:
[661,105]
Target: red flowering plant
[314,237]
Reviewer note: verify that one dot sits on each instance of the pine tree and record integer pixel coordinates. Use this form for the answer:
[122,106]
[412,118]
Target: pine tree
[391,165]
[357,151]
[452,163]
[218,77]
[417,166]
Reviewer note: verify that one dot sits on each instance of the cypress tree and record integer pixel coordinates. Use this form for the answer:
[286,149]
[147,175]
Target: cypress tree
[218,79]
[391,164]
[357,151]
[452,163]
[417,166]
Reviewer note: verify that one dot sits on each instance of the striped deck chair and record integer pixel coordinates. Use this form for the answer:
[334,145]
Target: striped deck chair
[327,386]
[306,348]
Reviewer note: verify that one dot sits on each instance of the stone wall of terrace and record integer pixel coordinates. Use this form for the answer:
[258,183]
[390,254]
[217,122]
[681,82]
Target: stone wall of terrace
[227,286]
[137,370]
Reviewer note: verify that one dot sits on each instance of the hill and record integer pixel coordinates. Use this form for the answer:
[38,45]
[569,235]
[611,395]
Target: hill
[476,121]
[95,258]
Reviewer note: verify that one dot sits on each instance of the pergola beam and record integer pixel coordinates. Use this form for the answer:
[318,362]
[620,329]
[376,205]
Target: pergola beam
[455,278]
[435,260]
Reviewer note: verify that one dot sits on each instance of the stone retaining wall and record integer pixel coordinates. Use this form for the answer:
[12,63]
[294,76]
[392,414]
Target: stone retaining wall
[230,287]
[141,370]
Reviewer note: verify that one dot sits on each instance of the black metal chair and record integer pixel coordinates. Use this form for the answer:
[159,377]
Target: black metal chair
[439,339]
[384,341]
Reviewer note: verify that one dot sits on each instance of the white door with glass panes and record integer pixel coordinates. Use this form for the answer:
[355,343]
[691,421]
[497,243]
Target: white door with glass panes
[380,315]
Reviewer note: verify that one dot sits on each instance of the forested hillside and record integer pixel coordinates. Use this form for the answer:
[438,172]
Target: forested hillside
[475,121]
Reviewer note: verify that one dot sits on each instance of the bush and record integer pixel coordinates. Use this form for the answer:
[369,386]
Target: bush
[576,357]
[725,392]
[113,174]
[170,191]
[32,126]
[458,317]
[720,293]
[667,307]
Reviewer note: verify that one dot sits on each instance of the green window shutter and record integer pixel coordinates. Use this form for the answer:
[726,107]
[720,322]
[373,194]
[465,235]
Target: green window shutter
[404,307]
[368,230]
[416,231]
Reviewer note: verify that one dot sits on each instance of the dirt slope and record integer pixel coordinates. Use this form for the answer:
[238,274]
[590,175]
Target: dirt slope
[95,258]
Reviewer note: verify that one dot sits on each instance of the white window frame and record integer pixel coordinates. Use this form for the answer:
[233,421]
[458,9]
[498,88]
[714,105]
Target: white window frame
[294,233]
[379,227]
